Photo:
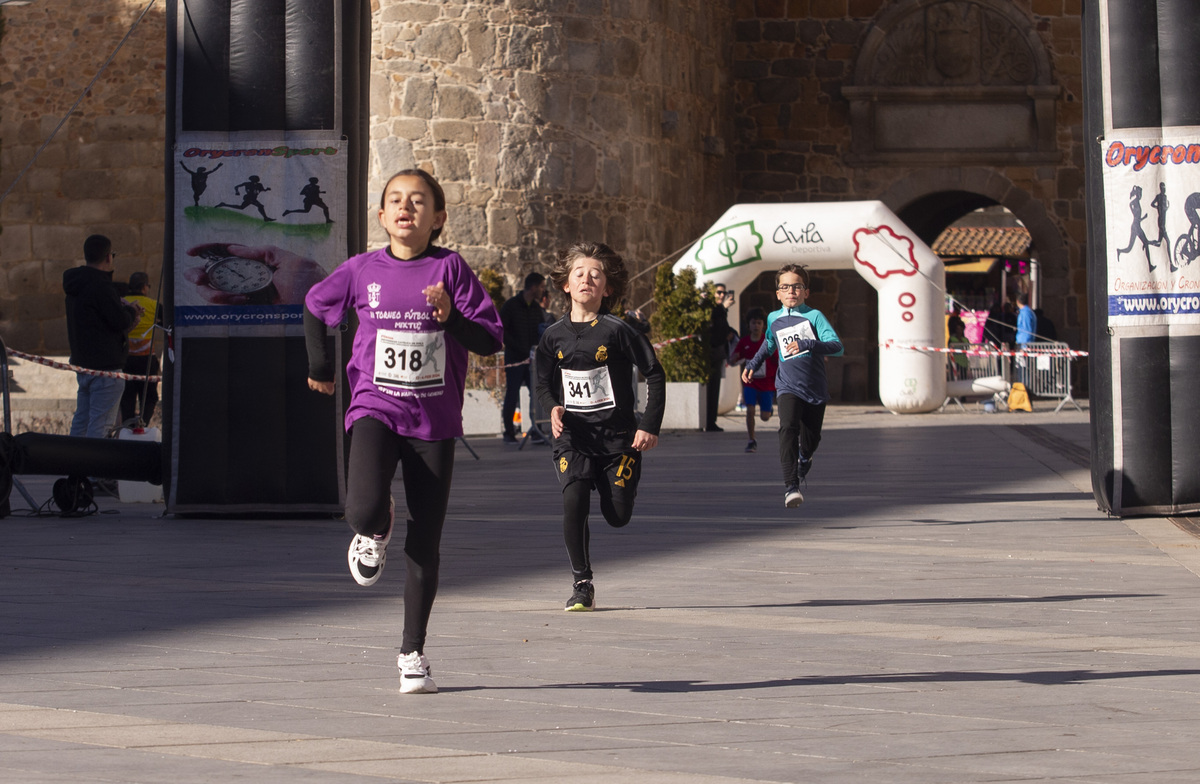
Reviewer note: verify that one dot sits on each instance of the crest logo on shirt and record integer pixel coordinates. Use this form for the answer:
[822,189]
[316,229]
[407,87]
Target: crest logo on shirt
[560,353]
[562,465]
[602,354]
[373,290]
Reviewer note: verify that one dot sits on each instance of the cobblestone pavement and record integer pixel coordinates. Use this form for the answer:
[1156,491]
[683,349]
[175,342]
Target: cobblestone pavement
[947,605]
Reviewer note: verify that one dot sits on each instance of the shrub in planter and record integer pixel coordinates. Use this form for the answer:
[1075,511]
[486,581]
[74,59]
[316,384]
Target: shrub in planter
[680,311]
[493,284]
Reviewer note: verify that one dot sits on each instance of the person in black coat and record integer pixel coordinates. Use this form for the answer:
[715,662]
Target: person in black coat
[98,323]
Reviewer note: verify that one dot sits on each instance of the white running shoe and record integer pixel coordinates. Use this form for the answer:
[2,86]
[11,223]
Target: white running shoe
[792,498]
[367,553]
[414,674]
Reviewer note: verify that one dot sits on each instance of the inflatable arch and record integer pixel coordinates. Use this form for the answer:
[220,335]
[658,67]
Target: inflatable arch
[864,236]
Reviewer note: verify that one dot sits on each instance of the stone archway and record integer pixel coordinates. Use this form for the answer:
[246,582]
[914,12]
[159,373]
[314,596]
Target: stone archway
[928,201]
[965,186]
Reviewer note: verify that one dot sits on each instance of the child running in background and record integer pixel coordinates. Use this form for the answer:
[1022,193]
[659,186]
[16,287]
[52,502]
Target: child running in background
[760,391]
[584,377]
[420,308]
[802,337]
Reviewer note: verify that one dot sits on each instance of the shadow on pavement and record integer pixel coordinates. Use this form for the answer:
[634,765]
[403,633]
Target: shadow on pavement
[130,572]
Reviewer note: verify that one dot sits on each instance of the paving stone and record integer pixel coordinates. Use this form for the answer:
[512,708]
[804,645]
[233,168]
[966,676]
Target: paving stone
[907,624]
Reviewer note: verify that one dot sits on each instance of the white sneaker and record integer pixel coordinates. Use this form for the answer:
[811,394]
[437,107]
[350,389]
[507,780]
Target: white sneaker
[414,674]
[367,554]
[792,498]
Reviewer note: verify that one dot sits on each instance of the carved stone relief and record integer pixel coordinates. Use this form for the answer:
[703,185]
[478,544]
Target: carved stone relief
[975,65]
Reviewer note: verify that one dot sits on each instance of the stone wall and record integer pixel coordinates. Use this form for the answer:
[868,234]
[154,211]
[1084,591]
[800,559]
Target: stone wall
[101,173]
[798,63]
[634,122]
[553,122]
[546,122]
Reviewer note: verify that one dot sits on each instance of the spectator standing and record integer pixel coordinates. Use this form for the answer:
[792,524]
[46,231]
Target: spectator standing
[98,323]
[141,397]
[718,348]
[1026,333]
[959,364]
[1026,320]
[523,319]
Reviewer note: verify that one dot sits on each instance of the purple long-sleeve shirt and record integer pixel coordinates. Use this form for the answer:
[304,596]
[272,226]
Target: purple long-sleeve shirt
[405,369]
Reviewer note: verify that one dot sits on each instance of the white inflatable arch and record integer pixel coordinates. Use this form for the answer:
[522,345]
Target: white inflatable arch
[865,236]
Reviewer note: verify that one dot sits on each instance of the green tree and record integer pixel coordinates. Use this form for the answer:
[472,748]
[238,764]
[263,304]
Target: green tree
[681,311]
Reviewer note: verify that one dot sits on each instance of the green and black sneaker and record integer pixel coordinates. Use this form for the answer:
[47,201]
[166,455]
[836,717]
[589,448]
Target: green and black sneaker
[583,597]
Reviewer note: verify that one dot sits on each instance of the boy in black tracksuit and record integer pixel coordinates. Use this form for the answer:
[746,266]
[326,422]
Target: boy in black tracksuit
[584,369]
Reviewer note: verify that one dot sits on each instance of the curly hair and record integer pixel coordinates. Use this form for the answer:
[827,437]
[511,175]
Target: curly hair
[614,268]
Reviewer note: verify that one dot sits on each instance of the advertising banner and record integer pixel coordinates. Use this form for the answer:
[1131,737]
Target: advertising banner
[1152,199]
[258,223]
[1142,111]
[265,166]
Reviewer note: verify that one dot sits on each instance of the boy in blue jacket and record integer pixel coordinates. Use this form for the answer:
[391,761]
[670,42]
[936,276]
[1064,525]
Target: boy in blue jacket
[803,338]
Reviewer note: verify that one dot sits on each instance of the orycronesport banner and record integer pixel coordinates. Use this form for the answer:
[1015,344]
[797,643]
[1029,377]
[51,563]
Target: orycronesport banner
[1142,102]
[265,163]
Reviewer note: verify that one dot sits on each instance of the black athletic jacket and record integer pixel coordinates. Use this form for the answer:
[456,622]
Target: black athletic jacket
[605,342]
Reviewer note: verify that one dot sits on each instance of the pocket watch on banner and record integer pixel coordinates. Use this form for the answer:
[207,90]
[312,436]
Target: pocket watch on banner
[250,278]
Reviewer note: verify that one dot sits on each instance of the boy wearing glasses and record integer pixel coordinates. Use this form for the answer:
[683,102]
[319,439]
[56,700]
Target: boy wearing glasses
[802,337]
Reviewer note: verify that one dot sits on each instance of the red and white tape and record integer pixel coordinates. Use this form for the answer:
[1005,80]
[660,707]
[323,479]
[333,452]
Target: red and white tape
[77,369]
[990,352]
[674,340]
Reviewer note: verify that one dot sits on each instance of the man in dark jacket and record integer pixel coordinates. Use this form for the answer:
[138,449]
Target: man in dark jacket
[718,348]
[97,324]
[522,316]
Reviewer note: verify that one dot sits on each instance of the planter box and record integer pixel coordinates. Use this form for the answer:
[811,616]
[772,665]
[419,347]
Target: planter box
[481,414]
[686,404]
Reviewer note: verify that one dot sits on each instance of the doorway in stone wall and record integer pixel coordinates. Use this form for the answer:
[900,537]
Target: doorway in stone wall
[988,252]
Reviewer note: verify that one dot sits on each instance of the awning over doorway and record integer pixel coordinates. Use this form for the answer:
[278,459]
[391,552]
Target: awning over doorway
[1010,242]
[970,265]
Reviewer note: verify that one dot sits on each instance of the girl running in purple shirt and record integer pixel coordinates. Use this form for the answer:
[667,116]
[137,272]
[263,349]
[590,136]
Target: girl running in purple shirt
[420,308]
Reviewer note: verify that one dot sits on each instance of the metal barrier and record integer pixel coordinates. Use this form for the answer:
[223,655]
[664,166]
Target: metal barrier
[962,368]
[1046,372]
[976,367]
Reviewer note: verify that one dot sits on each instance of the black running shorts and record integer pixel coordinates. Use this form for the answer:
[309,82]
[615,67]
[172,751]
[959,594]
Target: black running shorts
[620,472]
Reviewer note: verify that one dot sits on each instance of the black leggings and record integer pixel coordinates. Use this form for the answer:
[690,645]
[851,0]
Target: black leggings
[147,365]
[799,427]
[426,467]
[577,500]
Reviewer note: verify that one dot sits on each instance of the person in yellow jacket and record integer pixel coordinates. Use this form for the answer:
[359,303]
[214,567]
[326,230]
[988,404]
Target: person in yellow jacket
[142,359]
